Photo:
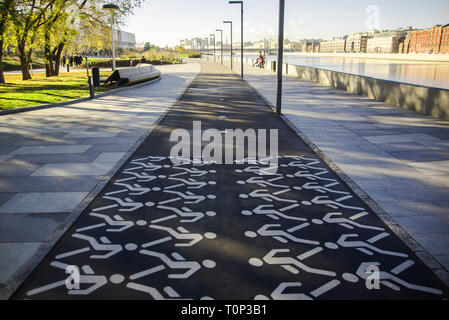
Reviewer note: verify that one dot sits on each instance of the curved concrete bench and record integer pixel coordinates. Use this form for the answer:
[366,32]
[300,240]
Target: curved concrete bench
[142,72]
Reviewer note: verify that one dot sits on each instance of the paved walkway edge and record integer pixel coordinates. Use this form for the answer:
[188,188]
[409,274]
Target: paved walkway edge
[22,274]
[69,102]
[420,252]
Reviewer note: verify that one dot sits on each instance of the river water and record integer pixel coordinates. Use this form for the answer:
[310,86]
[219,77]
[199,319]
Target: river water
[429,74]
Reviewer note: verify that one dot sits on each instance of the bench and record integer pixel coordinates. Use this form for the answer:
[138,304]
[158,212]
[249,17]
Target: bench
[139,73]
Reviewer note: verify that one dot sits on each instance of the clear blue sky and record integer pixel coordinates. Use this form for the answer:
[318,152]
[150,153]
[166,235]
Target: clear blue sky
[167,21]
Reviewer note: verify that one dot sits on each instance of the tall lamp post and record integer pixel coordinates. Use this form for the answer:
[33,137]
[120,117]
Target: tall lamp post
[112,7]
[230,22]
[207,47]
[241,36]
[213,35]
[221,32]
[280,56]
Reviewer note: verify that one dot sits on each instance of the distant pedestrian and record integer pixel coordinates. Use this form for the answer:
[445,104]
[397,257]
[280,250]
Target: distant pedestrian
[259,61]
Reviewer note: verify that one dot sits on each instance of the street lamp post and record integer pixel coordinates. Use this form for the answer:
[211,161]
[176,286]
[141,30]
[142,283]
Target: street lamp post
[241,36]
[112,7]
[230,22]
[280,56]
[213,35]
[221,32]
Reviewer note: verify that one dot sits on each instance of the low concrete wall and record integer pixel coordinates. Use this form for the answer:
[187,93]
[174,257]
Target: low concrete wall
[426,100]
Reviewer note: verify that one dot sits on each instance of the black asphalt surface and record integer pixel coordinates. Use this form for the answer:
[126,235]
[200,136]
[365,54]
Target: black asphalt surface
[222,231]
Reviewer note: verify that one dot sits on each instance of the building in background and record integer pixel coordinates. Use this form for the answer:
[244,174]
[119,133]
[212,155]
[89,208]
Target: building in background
[338,45]
[444,47]
[187,44]
[356,43]
[429,40]
[386,41]
[307,45]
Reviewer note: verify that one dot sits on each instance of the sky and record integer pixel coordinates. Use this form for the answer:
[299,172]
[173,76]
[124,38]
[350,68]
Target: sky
[165,22]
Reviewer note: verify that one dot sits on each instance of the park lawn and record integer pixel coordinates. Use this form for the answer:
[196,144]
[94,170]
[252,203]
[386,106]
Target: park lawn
[16,93]
[13,63]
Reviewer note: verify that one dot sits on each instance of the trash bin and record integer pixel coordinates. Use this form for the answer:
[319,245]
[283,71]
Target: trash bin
[96,76]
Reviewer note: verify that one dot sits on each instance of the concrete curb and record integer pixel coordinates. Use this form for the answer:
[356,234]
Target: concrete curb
[420,252]
[22,274]
[69,102]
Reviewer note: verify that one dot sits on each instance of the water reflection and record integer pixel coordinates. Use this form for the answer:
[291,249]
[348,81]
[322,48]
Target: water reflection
[430,74]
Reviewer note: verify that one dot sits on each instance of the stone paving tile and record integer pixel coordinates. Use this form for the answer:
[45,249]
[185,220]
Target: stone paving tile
[435,243]
[74,169]
[43,202]
[125,140]
[380,195]
[131,133]
[91,134]
[110,157]
[431,168]
[30,141]
[14,254]
[5,149]
[399,208]
[422,224]
[374,132]
[419,194]
[404,146]
[28,227]
[17,168]
[5,196]
[441,136]
[444,260]
[421,156]
[123,147]
[47,184]
[53,149]
[58,158]
[412,137]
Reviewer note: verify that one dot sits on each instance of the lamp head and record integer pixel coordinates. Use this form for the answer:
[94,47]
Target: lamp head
[111,7]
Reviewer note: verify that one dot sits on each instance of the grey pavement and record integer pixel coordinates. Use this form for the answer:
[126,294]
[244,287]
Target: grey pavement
[398,157]
[52,159]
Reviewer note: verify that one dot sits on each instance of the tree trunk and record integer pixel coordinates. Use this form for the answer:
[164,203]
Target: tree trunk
[24,60]
[2,77]
[48,55]
[6,6]
[58,58]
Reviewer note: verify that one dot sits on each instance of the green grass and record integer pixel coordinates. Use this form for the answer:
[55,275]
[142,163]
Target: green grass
[41,90]
[13,64]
